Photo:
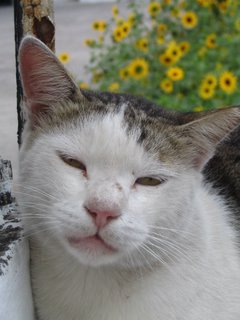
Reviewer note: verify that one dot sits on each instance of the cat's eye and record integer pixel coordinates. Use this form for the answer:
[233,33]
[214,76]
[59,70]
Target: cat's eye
[149,181]
[73,162]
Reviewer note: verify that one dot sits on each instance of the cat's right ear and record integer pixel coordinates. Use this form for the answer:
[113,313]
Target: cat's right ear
[44,79]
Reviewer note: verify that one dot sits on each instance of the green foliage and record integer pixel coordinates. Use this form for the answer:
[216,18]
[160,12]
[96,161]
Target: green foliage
[180,54]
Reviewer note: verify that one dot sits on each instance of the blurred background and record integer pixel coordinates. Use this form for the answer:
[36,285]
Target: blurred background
[74,24]
[182,54]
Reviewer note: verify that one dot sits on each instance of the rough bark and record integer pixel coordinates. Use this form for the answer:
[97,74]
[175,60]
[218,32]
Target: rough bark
[34,17]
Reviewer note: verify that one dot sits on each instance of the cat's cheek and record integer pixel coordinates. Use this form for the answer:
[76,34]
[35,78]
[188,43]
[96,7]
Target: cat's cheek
[72,218]
[126,233]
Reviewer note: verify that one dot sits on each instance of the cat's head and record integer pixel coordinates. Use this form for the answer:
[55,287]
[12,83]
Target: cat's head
[107,177]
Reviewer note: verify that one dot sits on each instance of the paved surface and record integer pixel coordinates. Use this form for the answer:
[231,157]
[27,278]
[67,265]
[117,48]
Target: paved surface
[73,25]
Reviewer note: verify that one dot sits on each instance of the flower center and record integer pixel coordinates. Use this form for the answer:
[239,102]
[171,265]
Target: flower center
[139,69]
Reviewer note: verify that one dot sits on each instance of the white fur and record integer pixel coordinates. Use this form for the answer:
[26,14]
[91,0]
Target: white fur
[193,274]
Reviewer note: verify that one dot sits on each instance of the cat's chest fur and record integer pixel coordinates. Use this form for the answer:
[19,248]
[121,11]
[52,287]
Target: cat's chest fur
[184,292]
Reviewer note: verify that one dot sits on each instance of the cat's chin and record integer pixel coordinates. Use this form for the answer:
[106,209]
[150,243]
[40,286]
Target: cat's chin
[91,250]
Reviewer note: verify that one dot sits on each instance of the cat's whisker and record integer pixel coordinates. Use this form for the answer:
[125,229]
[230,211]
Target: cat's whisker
[160,237]
[158,229]
[146,262]
[34,206]
[144,258]
[40,212]
[46,223]
[169,251]
[29,219]
[32,198]
[131,260]
[154,255]
[35,189]
[171,245]
[162,261]
[40,229]
[170,229]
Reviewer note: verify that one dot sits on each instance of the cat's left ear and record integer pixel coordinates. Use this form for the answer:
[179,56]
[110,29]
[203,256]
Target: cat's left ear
[44,79]
[205,133]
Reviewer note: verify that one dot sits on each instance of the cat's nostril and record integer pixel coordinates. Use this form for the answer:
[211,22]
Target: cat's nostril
[101,217]
[93,214]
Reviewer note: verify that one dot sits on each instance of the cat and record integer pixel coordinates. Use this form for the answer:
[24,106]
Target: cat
[116,197]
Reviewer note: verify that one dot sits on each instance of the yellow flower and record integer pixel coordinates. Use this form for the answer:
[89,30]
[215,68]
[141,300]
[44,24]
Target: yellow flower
[166,85]
[103,25]
[182,3]
[118,34]
[89,42]
[115,11]
[174,12]
[167,1]
[237,24]
[160,40]
[126,27]
[223,5]
[202,51]
[97,76]
[174,51]
[100,39]
[184,46]
[154,8]
[211,41]
[99,25]
[175,73]
[228,82]
[64,57]
[206,92]
[210,80]
[161,28]
[132,18]
[198,109]
[189,20]
[83,85]
[142,44]
[113,87]
[205,3]
[166,59]
[124,73]
[138,68]
[96,25]
[120,21]
[122,31]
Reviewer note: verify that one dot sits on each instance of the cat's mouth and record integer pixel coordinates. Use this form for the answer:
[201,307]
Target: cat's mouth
[92,242]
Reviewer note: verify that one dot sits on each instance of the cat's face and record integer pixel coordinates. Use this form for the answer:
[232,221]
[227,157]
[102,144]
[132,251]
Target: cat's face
[104,196]
[105,181]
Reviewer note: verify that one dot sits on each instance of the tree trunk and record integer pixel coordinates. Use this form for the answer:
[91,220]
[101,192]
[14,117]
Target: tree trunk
[31,17]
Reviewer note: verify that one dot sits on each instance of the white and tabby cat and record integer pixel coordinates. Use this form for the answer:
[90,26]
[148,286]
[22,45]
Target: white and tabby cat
[122,225]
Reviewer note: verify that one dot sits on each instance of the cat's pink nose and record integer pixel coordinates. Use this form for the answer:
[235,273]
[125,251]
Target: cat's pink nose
[101,217]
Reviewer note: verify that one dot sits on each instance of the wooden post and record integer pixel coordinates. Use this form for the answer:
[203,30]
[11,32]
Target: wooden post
[34,17]
[31,17]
